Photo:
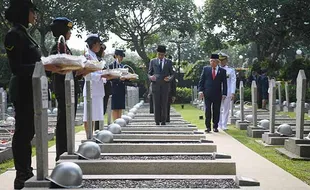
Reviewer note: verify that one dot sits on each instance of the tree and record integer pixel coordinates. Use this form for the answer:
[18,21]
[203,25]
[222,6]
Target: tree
[136,21]
[272,25]
[193,71]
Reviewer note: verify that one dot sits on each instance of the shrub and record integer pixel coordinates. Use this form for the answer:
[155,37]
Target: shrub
[183,95]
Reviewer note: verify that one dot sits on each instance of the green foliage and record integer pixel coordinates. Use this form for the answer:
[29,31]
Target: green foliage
[290,70]
[183,95]
[247,94]
[193,71]
[5,72]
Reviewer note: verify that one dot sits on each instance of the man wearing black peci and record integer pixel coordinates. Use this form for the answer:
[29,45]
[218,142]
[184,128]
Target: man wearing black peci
[213,88]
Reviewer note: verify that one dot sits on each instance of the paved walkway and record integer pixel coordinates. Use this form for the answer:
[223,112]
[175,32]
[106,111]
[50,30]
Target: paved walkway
[249,164]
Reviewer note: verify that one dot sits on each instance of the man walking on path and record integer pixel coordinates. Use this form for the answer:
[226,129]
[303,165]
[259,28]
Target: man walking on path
[213,88]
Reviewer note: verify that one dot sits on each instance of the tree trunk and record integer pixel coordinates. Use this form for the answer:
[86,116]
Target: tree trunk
[139,46]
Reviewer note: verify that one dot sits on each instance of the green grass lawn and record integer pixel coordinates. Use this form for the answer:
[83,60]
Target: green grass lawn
[300,169]
[293,115]
[10,164]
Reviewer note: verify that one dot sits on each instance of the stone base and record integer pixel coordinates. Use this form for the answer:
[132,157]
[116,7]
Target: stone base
[290,155]
[245,181]
[155,167]
[233,120]
[65,156]
[242,125]
[6,154]
[279,108]
[34,183]
[154,147]
[288,109]
[159,136]
[298,147]
[255,132]
[273,139]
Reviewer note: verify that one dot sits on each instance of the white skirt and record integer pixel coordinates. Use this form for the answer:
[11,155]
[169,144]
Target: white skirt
[97,109]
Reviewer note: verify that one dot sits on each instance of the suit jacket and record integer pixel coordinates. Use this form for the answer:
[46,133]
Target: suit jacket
[213,89]
[154,69]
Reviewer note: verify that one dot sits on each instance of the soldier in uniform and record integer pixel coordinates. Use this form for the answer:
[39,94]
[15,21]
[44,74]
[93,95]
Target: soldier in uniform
[231,88]
[23,52]
[62,26]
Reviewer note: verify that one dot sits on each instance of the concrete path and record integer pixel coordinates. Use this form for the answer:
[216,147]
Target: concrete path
[249,164]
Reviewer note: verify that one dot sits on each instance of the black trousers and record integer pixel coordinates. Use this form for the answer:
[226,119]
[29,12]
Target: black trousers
[61,126]
[160,100]
[105,106]
[168,108]
[215,104]
[151,104]
[24,132]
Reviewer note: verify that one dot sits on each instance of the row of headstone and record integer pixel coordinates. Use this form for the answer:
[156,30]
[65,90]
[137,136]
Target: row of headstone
[132,94]
[3,104]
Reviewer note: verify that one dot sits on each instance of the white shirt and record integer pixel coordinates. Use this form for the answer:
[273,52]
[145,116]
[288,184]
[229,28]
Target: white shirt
[231,80]
[163,63]
[97,82]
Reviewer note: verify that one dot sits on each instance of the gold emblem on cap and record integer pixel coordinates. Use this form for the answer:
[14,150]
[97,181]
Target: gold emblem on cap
[70,24]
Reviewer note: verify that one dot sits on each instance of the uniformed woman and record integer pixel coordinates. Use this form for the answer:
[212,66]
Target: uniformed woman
[118,87]
[62,26]
[23,52]
[97,81]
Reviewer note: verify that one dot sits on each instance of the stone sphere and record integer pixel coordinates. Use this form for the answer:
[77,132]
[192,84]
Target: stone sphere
[284,103]
[55,111]
[249,118]
[293,105]
[132,115]
[97,131]
[89,150]
[49,111]
[10,120]
[237,106]
[121,122]
[136,106]
[127,118]
[285,130]
[115,128]
[10,109]
[277,101]
[264,123]
[134,110]
[238,114]
[307,106]
[104,136]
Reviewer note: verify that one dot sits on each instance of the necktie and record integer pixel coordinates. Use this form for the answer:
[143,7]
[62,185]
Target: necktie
[213,73]
[161,65]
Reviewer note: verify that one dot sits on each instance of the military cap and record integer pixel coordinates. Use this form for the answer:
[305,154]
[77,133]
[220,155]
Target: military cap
[223,56]
[214,56]
[60,26]
[161,49]
[92,39]
[119,52]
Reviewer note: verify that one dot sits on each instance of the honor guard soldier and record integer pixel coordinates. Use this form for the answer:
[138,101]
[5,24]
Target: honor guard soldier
[231,88]
[62,26]
[23,53]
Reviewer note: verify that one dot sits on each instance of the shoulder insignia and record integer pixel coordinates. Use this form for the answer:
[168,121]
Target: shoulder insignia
[9,48]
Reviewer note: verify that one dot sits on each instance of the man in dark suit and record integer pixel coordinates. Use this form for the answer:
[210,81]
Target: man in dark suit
[160,73]
[213,88]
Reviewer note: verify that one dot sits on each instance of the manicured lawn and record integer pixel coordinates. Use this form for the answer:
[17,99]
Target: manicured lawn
[293,115]
[300,169]
[9,163]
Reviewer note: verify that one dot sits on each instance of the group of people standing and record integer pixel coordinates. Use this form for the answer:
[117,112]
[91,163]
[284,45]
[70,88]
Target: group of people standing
[217,86]
[262,83]
[23,52]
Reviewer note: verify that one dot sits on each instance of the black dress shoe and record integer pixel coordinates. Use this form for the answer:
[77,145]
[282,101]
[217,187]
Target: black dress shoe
[20,180]
[157,123]
[216,130]
[163,123]
[207,130]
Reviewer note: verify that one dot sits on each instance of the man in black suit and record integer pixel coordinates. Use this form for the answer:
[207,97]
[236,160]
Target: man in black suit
[213,88]
[160,73]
